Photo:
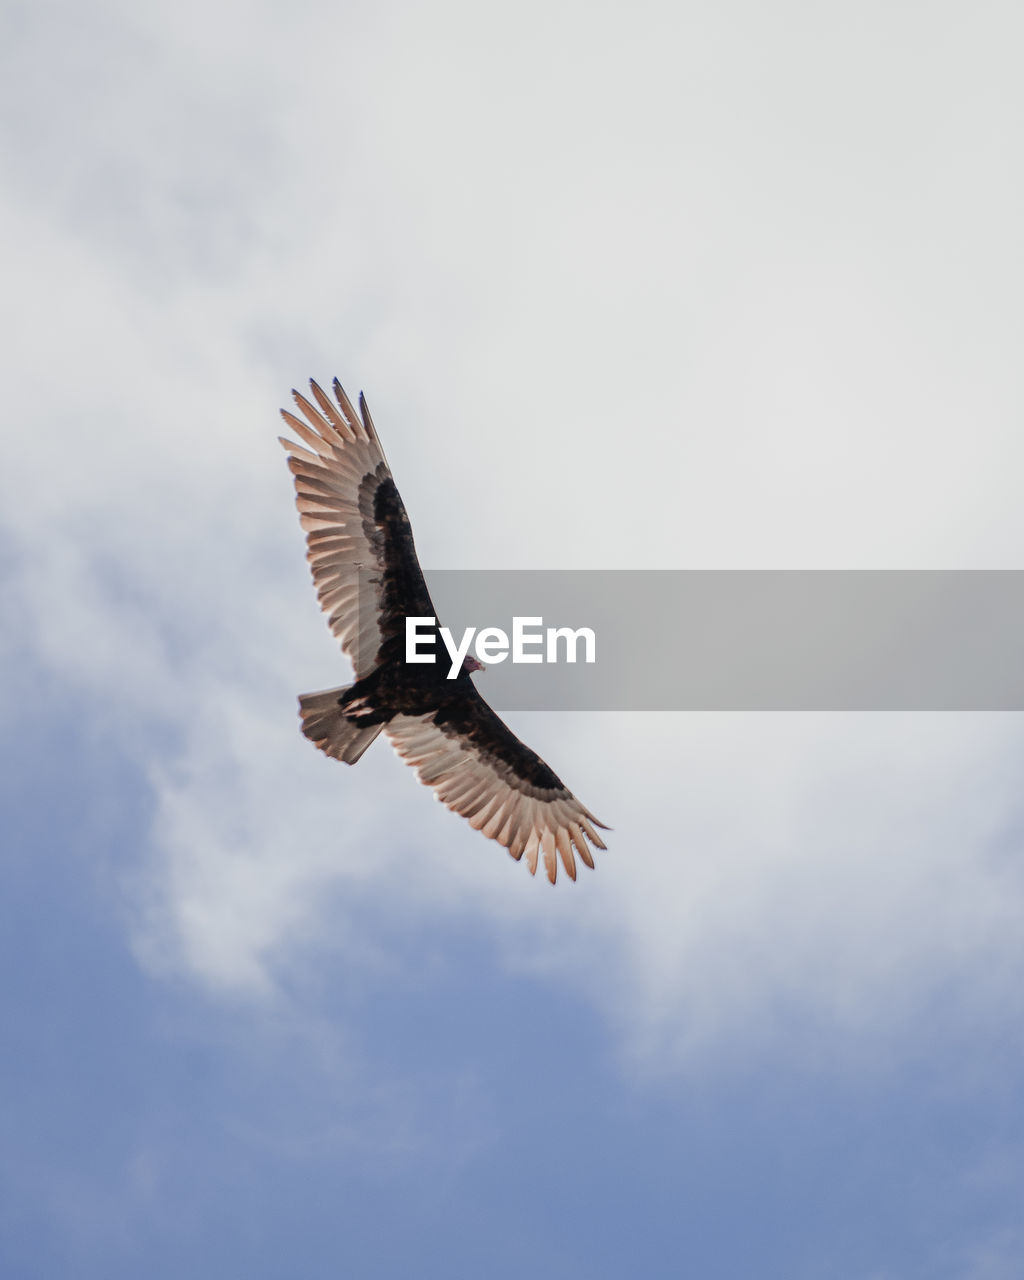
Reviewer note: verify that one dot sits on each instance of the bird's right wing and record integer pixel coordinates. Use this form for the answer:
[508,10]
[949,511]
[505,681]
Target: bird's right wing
[480,769]
[359,542]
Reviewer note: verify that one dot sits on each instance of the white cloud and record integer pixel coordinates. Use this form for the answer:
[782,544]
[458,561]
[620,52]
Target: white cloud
[611,308]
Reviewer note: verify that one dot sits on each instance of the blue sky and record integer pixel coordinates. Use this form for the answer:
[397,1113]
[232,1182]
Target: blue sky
[667,289]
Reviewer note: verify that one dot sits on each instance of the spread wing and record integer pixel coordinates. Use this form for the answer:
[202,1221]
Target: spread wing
[359,540]
[481,770]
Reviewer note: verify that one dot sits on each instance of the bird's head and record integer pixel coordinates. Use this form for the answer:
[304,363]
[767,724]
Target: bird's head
[470,664]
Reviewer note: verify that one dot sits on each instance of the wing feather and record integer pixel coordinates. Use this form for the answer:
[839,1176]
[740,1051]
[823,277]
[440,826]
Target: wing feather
[580,844]
[532,849]
[565,851]
[348,411]
[315,441]
[343,428]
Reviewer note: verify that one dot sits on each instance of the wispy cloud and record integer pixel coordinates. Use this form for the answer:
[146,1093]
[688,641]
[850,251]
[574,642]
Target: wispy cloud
[577,354]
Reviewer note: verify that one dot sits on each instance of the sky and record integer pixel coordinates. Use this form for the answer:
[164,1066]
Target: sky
[657,286]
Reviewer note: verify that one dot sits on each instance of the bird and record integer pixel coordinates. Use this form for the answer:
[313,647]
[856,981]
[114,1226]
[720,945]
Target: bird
[368,580]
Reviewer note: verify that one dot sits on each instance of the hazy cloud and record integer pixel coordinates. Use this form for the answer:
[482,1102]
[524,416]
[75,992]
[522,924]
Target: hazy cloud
[622,294]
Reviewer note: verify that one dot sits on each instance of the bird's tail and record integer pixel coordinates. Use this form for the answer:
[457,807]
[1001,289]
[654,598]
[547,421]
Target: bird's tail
[335,733]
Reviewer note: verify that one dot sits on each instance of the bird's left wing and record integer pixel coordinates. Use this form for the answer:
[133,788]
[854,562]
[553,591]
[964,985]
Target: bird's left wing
[481,770]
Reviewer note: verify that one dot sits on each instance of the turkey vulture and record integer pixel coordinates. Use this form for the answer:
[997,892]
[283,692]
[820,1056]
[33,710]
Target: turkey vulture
[368,581]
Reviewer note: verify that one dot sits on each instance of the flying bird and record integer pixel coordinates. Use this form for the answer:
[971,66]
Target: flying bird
[368,581]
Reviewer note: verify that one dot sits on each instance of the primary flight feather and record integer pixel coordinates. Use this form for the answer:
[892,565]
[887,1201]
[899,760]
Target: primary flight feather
[368,581]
